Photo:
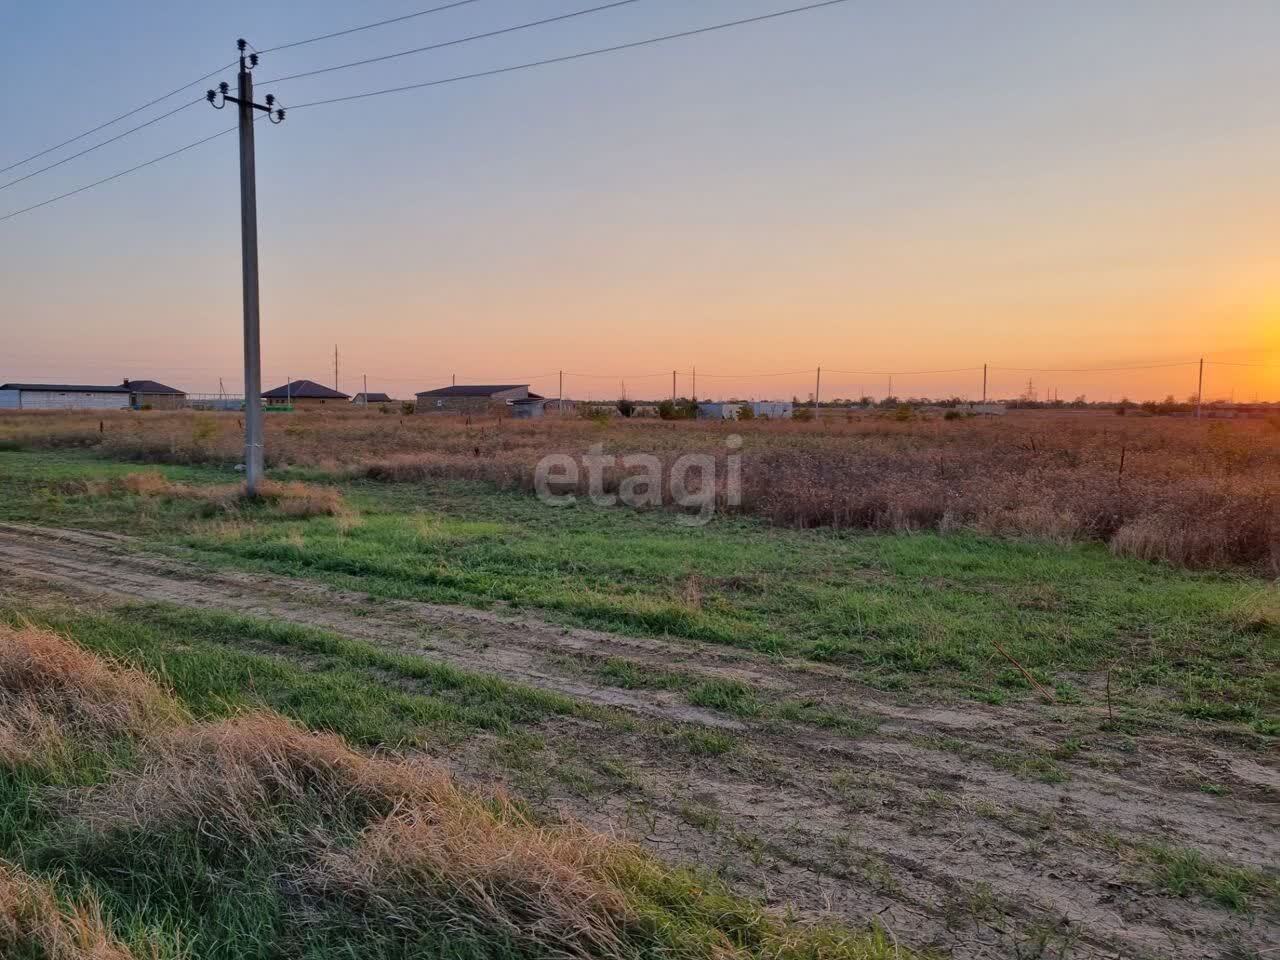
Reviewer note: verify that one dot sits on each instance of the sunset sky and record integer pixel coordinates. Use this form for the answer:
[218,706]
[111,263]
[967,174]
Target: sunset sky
[874,186]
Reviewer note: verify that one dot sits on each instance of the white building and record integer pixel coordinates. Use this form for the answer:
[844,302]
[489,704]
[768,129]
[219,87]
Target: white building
[731,409]
[62,396]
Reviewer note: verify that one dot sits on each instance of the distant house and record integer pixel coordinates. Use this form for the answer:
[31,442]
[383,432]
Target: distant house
[472,398]
[62,396]
[364,399]
[150,393]
[305,393]
[731,409]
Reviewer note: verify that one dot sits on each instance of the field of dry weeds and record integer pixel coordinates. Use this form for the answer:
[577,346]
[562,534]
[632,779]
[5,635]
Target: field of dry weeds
[1197,494]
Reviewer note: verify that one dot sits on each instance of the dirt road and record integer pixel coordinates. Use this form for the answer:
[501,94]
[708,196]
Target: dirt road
[986,832]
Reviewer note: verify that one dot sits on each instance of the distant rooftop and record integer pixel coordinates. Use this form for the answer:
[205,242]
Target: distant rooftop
[473,390]
[304,390]
[371,398]
[151,386]
[61,388]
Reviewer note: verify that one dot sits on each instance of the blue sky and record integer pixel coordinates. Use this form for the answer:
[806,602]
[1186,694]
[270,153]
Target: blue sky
[872,186]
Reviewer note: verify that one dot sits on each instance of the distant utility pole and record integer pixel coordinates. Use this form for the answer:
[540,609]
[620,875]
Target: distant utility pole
[560,398]
[817,389]
[335,366]
[695,384]
[1200,389]
[249,257]
[673,386]
[984,383]
[366,389]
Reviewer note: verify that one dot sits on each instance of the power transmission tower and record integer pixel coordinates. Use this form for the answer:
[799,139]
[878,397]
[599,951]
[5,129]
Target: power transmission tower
[249,257]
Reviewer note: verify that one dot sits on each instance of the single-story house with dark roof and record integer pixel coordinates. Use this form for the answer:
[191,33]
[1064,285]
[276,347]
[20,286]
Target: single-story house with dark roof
[364,399]
[472,398]
[151,393]
[305,393]
[62,396]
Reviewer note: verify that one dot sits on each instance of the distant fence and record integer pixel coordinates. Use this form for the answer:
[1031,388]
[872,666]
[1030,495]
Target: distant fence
[214,401]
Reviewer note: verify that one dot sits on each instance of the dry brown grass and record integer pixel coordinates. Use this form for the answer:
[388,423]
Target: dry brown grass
[548,890]
[33,924]
[228,776]
[53,692]
[1180,491]
[298,500]
[376,851]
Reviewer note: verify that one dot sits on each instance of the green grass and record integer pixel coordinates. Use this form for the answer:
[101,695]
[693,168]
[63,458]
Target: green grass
[1185,872]
[185,887]
[220,664]
[900,611]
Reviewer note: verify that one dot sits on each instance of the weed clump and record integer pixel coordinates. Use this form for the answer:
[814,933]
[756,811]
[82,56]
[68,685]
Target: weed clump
[53,693]
[298,500]
[253,827]
[33,924]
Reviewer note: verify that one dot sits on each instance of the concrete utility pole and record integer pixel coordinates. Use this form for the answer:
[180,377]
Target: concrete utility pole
[673,386]
[984,383]
[366,389]
[817,389]
[249,257]
[1200,389]
[335,366]
[695,384]
[560,398]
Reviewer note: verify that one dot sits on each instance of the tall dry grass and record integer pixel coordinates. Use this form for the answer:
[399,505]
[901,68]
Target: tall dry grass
[372,853]
[54,694]
[35,926]
[1185,492]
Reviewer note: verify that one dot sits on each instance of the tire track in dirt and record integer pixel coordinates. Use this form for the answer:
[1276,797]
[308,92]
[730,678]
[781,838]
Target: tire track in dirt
[939,844]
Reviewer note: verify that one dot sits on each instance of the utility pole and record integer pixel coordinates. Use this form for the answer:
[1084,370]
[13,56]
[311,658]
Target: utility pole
[560,398]
[673,386]
[249,257]
[366,389]
[984,383]
[335,366]
[695,384]
[890,394]
[817,389]
[1200,389]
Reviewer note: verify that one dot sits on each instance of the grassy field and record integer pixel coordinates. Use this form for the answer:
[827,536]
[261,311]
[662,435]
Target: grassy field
[900,612]
[140,821]
[1203,495]
[829,717]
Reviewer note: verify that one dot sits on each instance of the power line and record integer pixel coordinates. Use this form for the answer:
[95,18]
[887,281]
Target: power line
[119,136]
[367,26]
[430,83]
[116,176]
[575,56]
[1152,366]
[214,73]
[904,373]
[129,113]
[748,376]
[451,43]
